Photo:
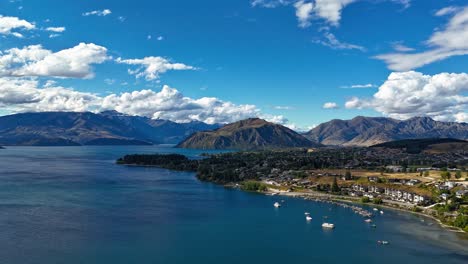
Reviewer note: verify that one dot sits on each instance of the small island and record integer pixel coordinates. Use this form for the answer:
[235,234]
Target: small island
[429,181]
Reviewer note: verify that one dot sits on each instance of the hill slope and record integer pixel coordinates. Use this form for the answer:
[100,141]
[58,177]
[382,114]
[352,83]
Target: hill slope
[253,133]
[367,131]
[107,128]
[426,144]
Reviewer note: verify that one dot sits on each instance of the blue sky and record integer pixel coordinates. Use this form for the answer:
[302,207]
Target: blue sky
[294,62]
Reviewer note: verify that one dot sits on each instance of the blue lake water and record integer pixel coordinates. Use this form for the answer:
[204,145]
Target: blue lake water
[74,205]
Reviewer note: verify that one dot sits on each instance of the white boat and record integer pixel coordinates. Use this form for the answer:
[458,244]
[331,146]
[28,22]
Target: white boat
[381,212]
[308,218]
[368,220]
[307,213]
[383,242]
[328,225]
[277,205]
[375,209]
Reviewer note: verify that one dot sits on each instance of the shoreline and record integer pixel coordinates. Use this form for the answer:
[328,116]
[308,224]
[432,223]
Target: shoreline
[389,204]
[324,197]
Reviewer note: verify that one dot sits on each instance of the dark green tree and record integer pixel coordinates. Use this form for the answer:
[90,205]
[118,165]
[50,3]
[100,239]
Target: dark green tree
[335,188]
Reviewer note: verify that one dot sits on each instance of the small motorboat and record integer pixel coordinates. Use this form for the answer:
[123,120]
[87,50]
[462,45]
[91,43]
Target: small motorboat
[307,213]
[368,220]
[308,218]
[328,225]
[374,226]
[381,212]
[277,205]
[375,209]
[383,242]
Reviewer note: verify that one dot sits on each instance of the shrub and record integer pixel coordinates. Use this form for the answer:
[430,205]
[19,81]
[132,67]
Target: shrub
[378,201]
[254,186]
[365,200]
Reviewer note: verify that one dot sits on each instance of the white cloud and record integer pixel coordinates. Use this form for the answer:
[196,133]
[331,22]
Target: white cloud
[447,10]
[152,67]
[407,94]
[330,105]
[461,117]
[170,104]
[332,42]
[56,29]
[401,48]
[8,25]
[269,3]
[404,3]
[304,12]
[27,95]
[103,12]
[283,107]
[109,81]
[443,44]
[330,10]
[357,86]
[34,60]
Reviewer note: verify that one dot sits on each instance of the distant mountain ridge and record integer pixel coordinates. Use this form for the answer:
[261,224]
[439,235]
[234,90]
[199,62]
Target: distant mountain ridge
[86,128]
[368,131]
[252,133]
[431,144]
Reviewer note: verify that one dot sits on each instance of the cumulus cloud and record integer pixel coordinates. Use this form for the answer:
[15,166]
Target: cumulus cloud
[330,105]
[332,42]
[9,25]
[330,10]
[445,43]
[170,104]
[34,60]
[304,12]
[151,67]
[29,95]
[103,12]
[408,94]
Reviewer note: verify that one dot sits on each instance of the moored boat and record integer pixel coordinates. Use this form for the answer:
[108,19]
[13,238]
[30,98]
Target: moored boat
[277,205]
[328,225]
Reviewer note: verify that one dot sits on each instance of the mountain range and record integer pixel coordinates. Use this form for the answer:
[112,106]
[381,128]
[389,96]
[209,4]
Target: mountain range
[253,133]
[86,128]
[113,128]
[367,131]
